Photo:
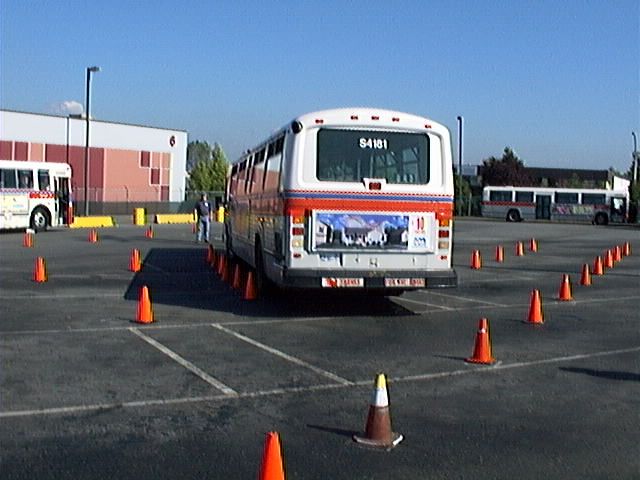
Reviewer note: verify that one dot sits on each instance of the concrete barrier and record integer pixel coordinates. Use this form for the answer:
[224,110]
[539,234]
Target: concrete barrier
[174,218]
[93,222]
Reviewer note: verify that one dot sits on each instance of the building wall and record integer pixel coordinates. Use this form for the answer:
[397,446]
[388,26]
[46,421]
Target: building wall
[126,162]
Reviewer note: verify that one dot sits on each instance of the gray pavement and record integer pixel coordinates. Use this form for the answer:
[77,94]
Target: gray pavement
[88,393]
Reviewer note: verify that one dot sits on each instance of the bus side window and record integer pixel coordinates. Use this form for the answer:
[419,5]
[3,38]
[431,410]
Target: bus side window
[8,178]
[43,181]
[25,178]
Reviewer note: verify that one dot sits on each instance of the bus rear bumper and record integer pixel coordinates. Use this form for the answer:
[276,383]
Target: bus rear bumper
[307,278]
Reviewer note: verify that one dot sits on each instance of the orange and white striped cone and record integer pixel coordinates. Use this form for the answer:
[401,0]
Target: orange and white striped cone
[499,254]
[476,261]
[482,346]
[585,278]
[564,294]
[626,249]
[533,245]
[519,249]
[272,466]
[598,269]
[535,309]
[378,431]
[145,312]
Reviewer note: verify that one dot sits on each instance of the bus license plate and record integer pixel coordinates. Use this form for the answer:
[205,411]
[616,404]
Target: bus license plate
[404,282]
[332,282]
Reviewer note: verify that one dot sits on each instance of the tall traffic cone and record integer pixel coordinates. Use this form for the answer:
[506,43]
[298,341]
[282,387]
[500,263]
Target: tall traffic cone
[564,294]
[482,346]
[210,254]
[134,260]
[608,259]
[519,249]
[236,284]
[27,240]
[597,266]
[626,249]
[222,265]
[250,291]
[271,467]
[476,261]
[145,313]
[499,254]
[535,308]
[533,245]
[585,279]
[149,232]
[40,271]
[378,432]
[617,253]
[93,236]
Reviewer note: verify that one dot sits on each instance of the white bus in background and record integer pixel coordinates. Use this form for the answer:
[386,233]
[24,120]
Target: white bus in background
[357,197]
[514,204]
[34,195]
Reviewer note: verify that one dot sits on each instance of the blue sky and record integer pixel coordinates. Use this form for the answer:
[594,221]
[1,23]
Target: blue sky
[558,81]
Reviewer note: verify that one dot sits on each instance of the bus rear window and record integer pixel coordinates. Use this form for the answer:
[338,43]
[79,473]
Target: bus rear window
[351,155]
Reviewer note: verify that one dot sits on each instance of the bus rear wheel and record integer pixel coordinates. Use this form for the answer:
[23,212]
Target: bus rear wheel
[513,216]
[40,219]
[601,219]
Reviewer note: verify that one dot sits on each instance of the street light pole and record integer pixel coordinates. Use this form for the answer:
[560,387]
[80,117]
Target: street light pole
[460,122]
[87,114]
[635,156]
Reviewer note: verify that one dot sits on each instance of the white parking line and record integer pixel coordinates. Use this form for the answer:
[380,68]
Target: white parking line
[185,363]
[312,388]
[281,354]
[408,300]
[458,297]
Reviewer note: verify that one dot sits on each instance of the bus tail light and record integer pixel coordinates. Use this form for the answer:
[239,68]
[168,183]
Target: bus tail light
[443,233]
[297,231]
[443,222]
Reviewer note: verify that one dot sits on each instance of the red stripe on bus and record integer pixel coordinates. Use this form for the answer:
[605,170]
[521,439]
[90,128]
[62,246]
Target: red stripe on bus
[511,204]
[442,209]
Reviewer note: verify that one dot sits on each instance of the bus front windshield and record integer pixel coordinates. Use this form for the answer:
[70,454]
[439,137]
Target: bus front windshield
[351,155]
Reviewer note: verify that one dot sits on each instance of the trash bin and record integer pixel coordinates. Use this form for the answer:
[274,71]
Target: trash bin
[139,216]
[220,215]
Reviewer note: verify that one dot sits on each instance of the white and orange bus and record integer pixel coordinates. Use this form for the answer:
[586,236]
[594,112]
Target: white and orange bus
[356,197]
[34,195]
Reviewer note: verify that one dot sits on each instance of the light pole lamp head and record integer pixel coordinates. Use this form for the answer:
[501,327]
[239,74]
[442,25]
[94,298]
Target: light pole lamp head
[93,69]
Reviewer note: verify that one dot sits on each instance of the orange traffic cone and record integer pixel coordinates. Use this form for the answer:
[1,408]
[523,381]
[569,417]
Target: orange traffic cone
[608,259]
[597,266]
[499,254]
[236,284]
[271,467]
[585,279]
[617,253]
[250,292]
[519,249]
[626,249]
[378,432]
[564,294]
[134,260]
[533,245]
[226,272]
[482,347]
[535,309]
[40,271]
[210,253]
[476,261]
[222,264]
[149,232]
[27,240]
[145,313]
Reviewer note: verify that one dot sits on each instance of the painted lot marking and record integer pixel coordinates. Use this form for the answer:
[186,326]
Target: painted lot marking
[281,354]
[185,363]
[458,297]
[281,391]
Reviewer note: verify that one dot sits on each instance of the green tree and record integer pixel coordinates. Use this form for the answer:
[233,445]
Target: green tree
[508,170]
[197,152]
[209,172]
[462,194]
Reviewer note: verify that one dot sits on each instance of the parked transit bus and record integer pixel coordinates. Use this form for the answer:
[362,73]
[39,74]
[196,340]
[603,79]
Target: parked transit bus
[34,195]
[358,198]
[514,204]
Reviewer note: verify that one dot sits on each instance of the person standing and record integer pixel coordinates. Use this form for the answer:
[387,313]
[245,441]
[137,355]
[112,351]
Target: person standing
[202,211]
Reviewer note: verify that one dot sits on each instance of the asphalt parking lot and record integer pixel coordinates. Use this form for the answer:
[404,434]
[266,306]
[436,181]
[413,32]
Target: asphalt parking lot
[88,393]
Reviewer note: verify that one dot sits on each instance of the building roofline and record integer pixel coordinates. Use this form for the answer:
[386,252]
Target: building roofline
[79,117]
